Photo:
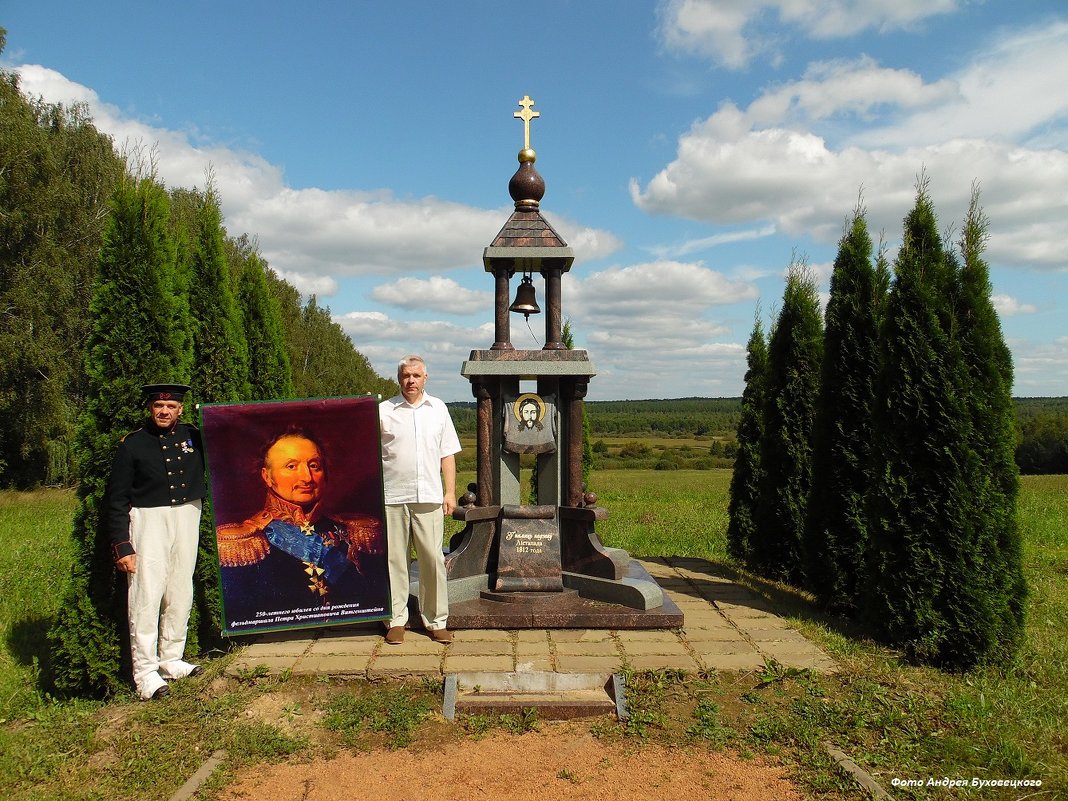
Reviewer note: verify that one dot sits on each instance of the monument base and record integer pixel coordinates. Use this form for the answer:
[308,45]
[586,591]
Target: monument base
[584,603]
[529,598]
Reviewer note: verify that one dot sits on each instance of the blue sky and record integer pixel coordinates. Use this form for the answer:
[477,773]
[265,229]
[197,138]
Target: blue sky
[690,148]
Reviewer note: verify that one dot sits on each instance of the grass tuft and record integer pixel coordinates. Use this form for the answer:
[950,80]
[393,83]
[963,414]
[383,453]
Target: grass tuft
[395,711]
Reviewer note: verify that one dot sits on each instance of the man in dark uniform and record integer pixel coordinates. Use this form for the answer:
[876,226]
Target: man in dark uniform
[290,555]
[153,517]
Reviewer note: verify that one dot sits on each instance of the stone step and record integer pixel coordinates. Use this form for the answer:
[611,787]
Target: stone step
[554,696]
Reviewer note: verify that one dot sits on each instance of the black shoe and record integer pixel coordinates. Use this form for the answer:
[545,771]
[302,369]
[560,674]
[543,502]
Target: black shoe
[196,671]
[161,693]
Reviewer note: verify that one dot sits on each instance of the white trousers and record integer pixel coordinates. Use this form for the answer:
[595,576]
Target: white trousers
[424,525]
[160,593]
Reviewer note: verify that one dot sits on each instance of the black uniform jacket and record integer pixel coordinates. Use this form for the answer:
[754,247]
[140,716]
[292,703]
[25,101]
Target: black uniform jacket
[152,467]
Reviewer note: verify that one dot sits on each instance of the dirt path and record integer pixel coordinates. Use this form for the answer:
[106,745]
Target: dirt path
[560,761]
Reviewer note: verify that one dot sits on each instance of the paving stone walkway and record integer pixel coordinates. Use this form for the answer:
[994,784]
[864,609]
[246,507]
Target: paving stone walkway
[727,627]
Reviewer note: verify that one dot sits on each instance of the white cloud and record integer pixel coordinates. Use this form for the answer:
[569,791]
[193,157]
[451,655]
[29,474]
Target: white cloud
[381,327]
[646,325]
[828,19]
[731,33]
[1007,306]
[658,316]
[384,340]
[435,293]
[683,370]
[663,285]
[311,233]
[820,274]
[363,233]
[314,238]
[241,176]
[1040,368]
[770,164]
[591,243]
[859,88]
[710,29]
[1003,94]
[704,243]
[322,286]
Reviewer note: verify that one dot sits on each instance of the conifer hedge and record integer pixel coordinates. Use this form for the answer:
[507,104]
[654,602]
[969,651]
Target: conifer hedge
[269,375]
[140,334]
[836,525]
[220,353]
[911,506]
[943,579]
[745,479]
[794,356]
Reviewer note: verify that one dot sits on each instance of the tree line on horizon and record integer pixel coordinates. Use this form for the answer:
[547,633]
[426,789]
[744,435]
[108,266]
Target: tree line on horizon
[876,449]
[1041,428]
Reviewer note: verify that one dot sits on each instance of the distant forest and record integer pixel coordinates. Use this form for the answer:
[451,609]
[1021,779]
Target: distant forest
[1042,429]
[1042,435]
[683,417]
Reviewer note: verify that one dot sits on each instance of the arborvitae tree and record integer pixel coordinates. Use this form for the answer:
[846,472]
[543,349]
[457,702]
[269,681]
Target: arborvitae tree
[745,480]
[327,364]
[929,587]
[269,372]
[993,416]
[220,375]
[220,351]
[794,355]
[287,298]
[322,358]
[57,176]
[836,525]
[137,337]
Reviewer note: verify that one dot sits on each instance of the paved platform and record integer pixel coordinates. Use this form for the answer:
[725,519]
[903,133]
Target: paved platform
[726,627]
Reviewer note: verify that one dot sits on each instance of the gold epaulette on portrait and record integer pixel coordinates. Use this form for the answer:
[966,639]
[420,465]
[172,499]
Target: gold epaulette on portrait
[363,532]
[243,544]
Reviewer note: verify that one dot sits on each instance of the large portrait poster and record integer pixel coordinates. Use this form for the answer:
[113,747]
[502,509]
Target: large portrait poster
[296,492]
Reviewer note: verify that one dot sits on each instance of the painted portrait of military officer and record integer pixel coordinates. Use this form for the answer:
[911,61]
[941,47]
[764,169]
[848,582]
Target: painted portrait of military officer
[304,557]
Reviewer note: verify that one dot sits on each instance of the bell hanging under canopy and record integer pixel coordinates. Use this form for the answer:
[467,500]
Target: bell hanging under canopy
[525,301]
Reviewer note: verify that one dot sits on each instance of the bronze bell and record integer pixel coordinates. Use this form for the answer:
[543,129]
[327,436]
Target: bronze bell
[525,301]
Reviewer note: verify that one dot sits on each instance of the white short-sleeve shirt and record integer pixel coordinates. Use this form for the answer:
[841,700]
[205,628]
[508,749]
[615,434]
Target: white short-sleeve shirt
[414,441]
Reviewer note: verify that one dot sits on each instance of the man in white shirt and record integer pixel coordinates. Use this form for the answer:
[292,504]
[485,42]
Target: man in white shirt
[419,445]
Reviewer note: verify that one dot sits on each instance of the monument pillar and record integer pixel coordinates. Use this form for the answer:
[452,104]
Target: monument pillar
[541,564]
[501,324]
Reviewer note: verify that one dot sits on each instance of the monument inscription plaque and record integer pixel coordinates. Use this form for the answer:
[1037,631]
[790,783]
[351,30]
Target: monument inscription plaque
[528,559]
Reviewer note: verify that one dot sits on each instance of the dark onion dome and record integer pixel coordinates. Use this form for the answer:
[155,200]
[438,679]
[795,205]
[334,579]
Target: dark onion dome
[527,187]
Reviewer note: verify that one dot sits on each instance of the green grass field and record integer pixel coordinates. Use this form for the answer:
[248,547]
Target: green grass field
[35,554]
[895,720]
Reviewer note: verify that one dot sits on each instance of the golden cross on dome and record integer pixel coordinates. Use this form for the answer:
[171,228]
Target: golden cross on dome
[526,115]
